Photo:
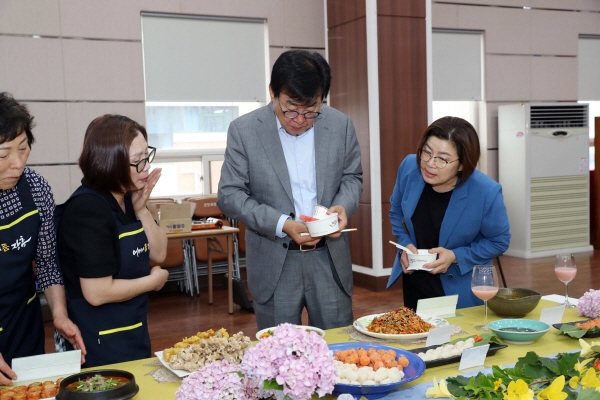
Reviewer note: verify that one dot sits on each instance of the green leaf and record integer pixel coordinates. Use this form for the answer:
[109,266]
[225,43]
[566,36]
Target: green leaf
[566,364]
[586,394]
[551,364]
[456,384]
[572,330]
[271,384]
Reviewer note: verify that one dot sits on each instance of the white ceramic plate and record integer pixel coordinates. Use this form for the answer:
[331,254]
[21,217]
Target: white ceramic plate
[179,372]
[321,332]
[362,323]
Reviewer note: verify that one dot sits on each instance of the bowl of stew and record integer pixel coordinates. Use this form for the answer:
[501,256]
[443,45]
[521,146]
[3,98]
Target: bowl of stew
[106,384]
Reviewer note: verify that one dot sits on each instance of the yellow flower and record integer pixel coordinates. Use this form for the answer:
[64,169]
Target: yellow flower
[574,382]
[581,366]
[554,391]
[586,349]
[590,380]
[438,391]
[518,390]
[497,384]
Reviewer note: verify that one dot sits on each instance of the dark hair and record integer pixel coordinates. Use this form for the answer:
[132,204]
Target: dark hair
[104,159]
[14,119]
[302,75]
[462,135]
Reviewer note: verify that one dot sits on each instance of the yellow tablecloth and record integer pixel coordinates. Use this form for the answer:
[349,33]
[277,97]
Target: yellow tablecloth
[467,319]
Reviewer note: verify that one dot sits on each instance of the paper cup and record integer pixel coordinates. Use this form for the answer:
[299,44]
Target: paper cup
[418,260]
[323,226]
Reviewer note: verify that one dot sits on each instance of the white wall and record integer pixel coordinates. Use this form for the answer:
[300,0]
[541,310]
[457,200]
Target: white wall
[530,54]
[71,61]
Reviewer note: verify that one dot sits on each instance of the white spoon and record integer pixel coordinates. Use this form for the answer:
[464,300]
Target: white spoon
[401,247]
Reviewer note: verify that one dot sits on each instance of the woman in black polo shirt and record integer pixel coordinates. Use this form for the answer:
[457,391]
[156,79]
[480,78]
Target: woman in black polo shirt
[106,240]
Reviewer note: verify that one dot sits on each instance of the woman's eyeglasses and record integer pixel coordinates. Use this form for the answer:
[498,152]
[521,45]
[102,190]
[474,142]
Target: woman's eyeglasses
[140,165]
[439,162]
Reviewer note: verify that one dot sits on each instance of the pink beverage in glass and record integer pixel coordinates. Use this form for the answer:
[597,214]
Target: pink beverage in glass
[484,292]
[565,274]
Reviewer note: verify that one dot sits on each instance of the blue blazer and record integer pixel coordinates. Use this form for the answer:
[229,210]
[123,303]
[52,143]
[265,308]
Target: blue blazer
[475,226]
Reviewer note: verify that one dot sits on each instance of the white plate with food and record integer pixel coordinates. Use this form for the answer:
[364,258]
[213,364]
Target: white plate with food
[269,331]
[403,324]
[179,372]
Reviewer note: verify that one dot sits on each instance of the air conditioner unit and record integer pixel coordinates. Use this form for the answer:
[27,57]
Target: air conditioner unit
[543,152]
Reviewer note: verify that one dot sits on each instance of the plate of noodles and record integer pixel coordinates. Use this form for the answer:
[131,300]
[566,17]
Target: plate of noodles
[402,323]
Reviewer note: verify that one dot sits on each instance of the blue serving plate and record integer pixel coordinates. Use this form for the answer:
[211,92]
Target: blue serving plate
[415,369]
[537,330]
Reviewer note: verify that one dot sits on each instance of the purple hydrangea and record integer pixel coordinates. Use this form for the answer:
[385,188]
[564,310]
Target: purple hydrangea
[217,380]
[298,360]
[589,304]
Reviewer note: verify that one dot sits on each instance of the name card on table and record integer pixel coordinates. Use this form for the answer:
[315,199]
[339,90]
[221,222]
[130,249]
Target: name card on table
[444,306]
[437,336]
[552,315]
[473,357]
[47,365]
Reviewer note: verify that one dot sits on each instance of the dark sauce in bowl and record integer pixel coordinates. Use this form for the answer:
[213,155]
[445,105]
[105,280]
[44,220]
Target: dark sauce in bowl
[516,329]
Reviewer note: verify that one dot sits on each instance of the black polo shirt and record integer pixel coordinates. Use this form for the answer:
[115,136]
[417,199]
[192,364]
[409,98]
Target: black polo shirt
[88,238]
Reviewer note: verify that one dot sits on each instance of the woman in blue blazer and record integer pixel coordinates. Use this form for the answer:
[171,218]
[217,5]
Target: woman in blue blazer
[442,203]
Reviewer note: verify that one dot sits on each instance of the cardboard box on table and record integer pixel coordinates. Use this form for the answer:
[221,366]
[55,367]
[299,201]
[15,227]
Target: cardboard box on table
[173,217]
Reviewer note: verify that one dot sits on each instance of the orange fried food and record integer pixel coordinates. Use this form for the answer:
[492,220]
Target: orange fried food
[589,325]
[403,361]
[369,358]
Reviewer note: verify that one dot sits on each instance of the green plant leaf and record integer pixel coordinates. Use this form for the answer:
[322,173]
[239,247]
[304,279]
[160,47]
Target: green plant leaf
[586,394]
[271,384]
[572,330]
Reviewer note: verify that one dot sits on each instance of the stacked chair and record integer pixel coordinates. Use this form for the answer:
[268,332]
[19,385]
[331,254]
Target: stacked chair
[210,253]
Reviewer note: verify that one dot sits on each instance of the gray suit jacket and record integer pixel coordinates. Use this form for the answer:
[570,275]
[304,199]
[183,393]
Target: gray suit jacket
[255,189]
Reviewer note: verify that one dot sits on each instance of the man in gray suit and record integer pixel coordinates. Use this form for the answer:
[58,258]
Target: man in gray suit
[281,160]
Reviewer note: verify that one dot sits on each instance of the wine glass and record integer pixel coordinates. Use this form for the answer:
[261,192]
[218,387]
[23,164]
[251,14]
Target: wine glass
[484,284]
[565,270]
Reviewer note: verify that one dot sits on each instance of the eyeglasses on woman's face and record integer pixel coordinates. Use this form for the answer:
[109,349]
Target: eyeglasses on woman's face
[140,165]
[438,162]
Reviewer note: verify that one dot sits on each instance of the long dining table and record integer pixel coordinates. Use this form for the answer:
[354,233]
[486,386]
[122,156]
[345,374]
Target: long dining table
[466,318]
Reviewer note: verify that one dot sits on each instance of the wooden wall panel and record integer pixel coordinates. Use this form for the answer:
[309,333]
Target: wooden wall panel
[361,247]
[402,93]
[342,11]
[401,8]
[348,60]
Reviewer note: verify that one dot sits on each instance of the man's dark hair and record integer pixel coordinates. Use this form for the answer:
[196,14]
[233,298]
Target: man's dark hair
[104,159]
[302,75]
[14,119]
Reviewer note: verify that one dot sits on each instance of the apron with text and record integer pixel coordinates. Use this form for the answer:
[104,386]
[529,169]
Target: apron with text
[21,326]
[118,332]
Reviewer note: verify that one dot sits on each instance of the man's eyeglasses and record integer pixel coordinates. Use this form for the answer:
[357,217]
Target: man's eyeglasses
[291,114]
[439,162]
[140,165]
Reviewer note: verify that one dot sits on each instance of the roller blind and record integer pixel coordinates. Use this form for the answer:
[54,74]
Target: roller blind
[204,59]
[457,66]
[588,61]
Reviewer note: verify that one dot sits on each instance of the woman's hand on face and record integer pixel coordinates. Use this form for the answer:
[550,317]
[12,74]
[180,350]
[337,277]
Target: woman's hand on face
[161,276]
[404,258]
[446,258]
[140,197]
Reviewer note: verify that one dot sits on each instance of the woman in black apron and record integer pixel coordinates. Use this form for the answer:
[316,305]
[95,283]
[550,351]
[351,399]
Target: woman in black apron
[26,235]
[106,240]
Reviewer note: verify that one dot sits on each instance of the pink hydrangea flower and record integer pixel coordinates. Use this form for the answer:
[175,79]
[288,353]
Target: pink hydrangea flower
[217,380]
[298,360]
[589,304]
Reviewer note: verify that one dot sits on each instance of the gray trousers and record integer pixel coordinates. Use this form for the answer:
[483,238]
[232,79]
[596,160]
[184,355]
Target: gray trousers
[308,280]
